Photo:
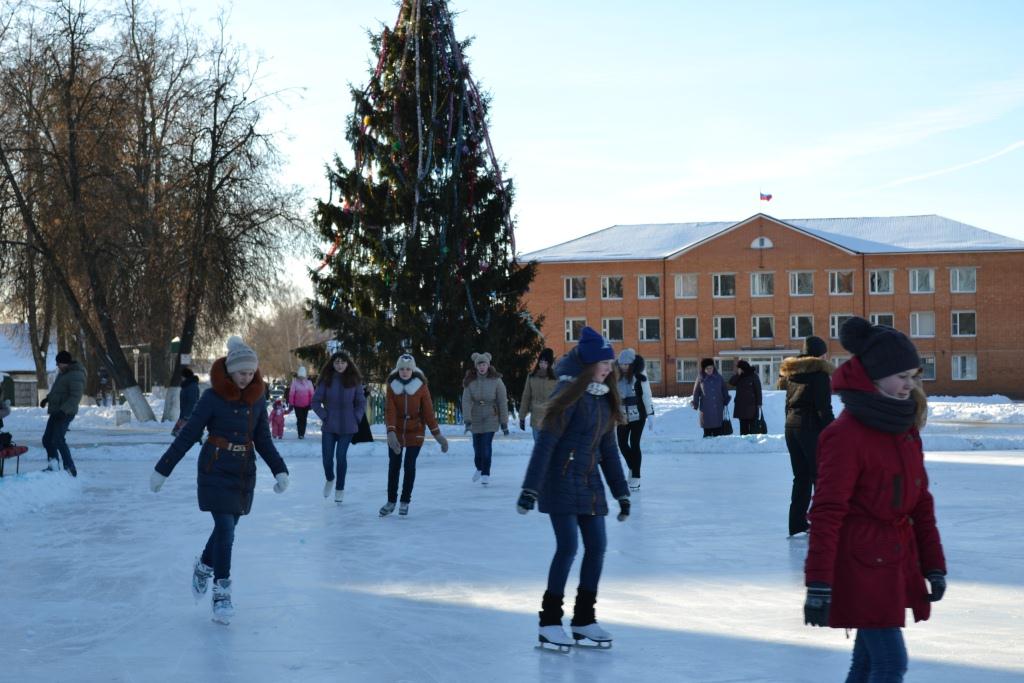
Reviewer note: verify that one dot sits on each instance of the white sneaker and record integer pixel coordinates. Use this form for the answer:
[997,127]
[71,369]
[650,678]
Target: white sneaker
[328,487]
[223,610]
[554,635]
[52,465]
[634,483]
[339,495]
[592,632]
[485,479]
[477,475]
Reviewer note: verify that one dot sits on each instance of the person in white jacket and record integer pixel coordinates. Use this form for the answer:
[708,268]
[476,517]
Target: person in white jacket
[637,408]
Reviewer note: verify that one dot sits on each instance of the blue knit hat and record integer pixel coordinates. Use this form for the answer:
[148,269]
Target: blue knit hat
[593,347]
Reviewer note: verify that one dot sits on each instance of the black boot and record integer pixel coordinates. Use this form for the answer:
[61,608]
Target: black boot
[551,610]
[583,612]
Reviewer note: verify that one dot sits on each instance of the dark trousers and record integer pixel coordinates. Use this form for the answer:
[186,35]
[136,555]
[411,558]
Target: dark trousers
[395,464]
[217,553]
[747,427]
[879,656]
[717,431]
[482,452]
[300,419]
[629,445]
[591,527]
[54,442]
[335,447]
[803,456]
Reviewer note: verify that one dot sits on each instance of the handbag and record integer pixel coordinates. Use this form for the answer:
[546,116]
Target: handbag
[726,422]
[364,435]
[760,426]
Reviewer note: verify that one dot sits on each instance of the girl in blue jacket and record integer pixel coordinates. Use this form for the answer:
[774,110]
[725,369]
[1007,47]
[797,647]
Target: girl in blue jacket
[576,443]
[340,403]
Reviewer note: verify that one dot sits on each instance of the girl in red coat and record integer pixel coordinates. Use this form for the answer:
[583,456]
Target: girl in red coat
[873,539]
[277,414]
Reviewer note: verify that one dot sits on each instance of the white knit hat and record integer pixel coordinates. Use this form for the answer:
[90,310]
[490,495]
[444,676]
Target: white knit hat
[302,371]
[481,357]
[241,357]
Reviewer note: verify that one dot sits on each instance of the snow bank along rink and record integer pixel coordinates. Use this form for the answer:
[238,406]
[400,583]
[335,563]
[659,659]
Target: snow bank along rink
[700,584]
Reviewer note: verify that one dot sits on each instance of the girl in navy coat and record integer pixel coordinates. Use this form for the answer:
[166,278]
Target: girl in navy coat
[234,414]
[340,403]
[576,443]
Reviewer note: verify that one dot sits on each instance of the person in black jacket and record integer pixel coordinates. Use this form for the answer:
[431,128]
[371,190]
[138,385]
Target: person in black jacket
[806,380]
[747,406]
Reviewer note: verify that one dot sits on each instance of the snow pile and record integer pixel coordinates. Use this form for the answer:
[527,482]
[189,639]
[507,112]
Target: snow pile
[33,490]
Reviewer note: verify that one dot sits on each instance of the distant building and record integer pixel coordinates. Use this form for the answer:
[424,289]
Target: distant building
[754,289]
[16,363]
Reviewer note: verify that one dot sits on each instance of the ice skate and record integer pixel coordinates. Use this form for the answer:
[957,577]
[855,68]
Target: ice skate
[403,509]
[53,465]
[485,480]
[328,487]
[201,575]
[554,636]
[592,635]
[634,483]
[223,610]
[339,495]
[387,509]
[477,475]
[799,536]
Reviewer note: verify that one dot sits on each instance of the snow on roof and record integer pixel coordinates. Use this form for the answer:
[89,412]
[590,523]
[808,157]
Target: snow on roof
[873,235]
[15,352]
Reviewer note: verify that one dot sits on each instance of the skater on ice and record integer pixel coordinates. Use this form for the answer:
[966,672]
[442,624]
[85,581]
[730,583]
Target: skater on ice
[300,398]
[187,398]
[537,392]
[637,409]
[340,403]
[576,444]
[484,411]
[277,415]
[62,405]
[234,414]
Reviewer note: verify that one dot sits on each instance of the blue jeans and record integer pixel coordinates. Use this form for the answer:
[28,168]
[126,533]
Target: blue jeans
[217,553]
[879,656]
[53,439]
[394,466]
[335,445]
[594,542]
[482,451]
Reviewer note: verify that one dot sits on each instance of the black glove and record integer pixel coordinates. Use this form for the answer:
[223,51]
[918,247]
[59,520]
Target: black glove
[937,580]
[526,501]
[504,430]
[42,404]
[817,604]
[623,509]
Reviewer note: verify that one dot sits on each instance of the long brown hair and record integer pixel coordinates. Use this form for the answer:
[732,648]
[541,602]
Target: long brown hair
[349,378]
[558,406]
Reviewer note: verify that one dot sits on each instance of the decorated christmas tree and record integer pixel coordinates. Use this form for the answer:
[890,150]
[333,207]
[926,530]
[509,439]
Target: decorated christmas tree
[422,256]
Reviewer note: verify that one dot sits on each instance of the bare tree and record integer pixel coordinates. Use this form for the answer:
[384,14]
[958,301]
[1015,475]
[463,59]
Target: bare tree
[285,327]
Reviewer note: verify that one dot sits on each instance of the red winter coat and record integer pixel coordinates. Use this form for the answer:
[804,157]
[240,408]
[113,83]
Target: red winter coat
[873,535]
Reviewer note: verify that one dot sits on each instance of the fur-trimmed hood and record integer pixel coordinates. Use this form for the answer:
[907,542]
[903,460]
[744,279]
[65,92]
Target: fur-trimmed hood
[417,380]
[223,386]
[472,375]
[798,365]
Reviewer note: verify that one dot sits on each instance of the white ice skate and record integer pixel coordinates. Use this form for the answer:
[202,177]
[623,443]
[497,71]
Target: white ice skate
[387,509]
[201,575]
[592,635]
[223,610]
[328,486]
[485,480]
[339,495]
[634,483]
[477,475]
[554,636]
[403,509]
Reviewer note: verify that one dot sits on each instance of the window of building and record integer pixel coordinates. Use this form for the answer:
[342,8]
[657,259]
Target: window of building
[887,319]
[762,326]
[686,328]
[965,367]
[922,280]
[928,368]
[835,321]
[650,329]
[723,285]
[574,328]
[964,324]
[762,284]
[922,324]
[839,360]
[575,288]
[611,287]
[726,367]
[725,327]
[648,286]
[801,283]
[761,243]
[653,371]
[880,282]
[801,326]
[963,280]
[687,369]
[840,282]
[612,329]
[686,285]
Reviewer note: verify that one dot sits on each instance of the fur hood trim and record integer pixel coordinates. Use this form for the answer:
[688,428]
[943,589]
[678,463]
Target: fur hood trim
[222,385]
[797,365]
[411,387]
[472,375]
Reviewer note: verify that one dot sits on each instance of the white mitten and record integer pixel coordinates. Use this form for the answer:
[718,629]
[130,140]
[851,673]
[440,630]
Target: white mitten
[650,423]
[443,442]
[393,443]
[156,480]
[282,482]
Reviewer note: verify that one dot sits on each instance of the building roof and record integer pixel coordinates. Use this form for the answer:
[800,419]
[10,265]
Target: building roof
[15,352]
[872,235]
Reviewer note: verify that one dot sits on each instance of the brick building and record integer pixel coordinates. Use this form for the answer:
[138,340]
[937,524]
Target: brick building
[754,289]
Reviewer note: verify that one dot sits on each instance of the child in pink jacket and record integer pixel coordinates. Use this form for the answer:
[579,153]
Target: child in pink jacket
[277,413]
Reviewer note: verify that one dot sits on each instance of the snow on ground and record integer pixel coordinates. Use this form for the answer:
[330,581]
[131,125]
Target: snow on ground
[700,584]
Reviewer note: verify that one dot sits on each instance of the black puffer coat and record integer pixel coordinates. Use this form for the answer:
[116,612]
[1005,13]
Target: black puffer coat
[747,404]
[808,386]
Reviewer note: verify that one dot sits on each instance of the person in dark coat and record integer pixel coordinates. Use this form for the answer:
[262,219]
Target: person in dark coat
[62,405]
[637,408]
[340,403]
[808,411]
[187,398]
[234,414]
[710,397]
[575,445]
[747,407]
[874,542]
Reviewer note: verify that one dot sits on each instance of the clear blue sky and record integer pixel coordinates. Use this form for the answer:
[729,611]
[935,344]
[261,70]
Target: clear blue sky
[659,111]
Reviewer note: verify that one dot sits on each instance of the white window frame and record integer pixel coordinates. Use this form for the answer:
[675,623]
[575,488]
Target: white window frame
[568,328]
[754,320]
[567,292]
[756,277]
[679,327]
[653,370]
[962,373]
[681,364]
[839,360]
[717,322]
[605,279]
[641,287]
[794,327]
[926,364]
[833,281]
[716,286]
[915,286]
[726,367]
[643,329]
[953,323]
[679,279]
[954,279]
[873,281]
[873,319]
[794,282]
[834,323]
[915,324]
[606,332]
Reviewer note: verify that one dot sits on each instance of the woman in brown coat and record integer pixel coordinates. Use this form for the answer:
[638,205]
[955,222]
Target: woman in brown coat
[408,408]
[539,387]
[484,410]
